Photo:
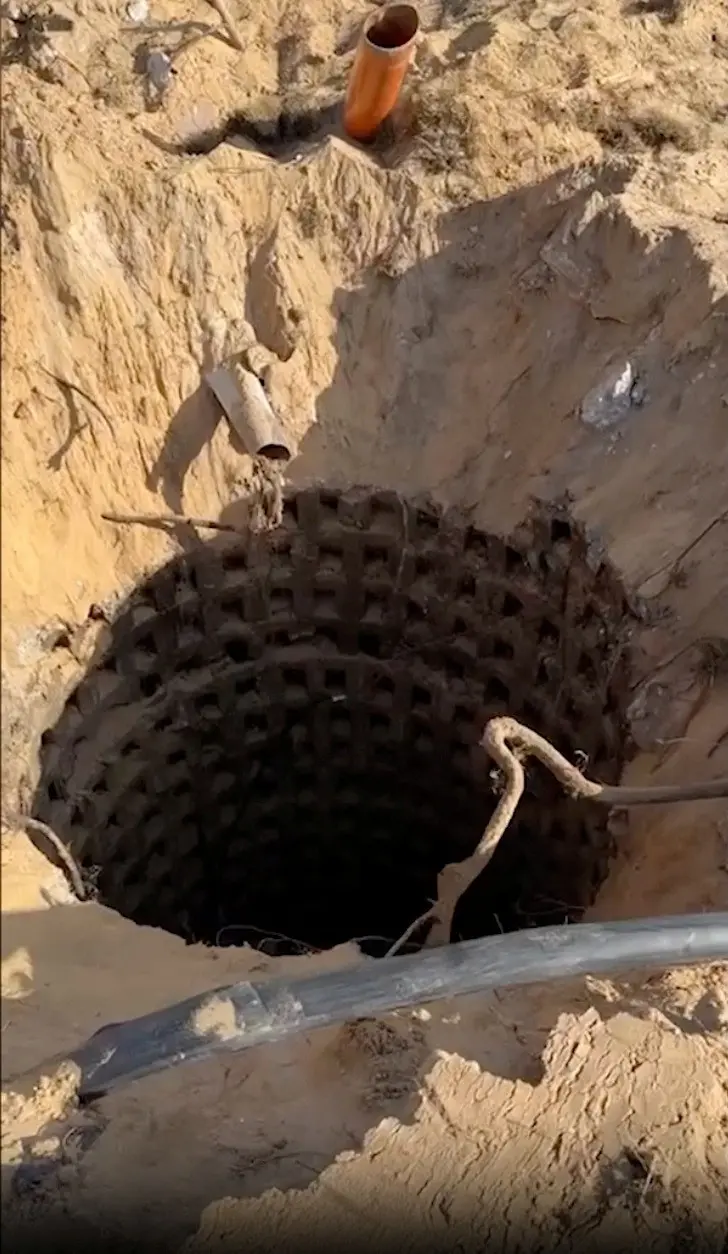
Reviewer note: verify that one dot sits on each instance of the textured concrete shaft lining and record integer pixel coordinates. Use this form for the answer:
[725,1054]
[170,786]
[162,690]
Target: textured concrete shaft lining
[283,730]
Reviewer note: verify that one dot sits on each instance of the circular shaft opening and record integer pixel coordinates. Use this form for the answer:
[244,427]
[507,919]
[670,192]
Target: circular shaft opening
[281,738]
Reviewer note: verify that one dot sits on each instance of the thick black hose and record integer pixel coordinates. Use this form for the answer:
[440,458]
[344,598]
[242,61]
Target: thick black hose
[621,796]
[239,1016]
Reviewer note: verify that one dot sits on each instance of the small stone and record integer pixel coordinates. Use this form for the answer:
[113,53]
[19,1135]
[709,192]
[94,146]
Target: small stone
[137,11]
[611,399]
[159,71]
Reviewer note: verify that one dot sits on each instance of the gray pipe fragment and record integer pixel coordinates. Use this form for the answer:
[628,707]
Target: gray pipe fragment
[242,398]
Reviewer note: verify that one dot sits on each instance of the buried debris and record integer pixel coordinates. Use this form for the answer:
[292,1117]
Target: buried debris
[242,398]
[159,71]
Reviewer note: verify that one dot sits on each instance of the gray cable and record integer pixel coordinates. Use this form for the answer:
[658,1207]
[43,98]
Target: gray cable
[253,1014]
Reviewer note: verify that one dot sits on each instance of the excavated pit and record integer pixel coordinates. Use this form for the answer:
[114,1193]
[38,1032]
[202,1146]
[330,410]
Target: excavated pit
[282,734]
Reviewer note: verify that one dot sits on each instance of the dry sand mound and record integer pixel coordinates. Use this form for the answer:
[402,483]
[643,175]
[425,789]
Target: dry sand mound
[520,292]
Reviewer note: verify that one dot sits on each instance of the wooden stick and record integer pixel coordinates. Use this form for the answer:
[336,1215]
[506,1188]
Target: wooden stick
[153,520]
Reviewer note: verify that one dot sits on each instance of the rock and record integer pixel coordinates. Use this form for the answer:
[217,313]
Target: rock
[137,11]
[609,402]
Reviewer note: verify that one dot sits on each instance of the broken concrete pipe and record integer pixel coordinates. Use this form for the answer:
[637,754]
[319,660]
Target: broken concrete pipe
[382,59]
[242,398]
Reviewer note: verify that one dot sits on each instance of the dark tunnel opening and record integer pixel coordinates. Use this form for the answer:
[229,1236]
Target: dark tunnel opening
[281,737]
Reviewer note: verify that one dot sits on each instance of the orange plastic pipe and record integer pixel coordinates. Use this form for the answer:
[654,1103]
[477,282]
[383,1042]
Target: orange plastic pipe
[382,59]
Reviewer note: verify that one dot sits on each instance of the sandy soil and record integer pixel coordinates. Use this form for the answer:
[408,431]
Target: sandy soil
[434,315]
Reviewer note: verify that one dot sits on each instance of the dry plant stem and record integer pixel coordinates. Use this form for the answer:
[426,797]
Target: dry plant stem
[675,563]
[221,7]
[509,743]
[398,944]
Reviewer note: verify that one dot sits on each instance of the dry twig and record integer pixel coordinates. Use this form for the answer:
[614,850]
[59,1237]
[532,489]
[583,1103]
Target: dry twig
[222,7]
[159,520]
[73,387]
[675,563]
[509,743]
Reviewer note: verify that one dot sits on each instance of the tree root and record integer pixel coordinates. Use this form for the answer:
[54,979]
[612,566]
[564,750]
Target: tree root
[509,743]
[65,858]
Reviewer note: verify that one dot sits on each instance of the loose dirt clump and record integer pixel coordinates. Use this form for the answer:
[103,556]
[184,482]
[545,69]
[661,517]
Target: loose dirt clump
[216,1018]
[497,338]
